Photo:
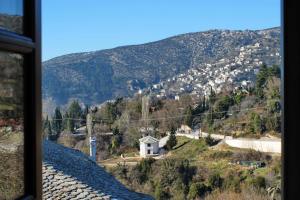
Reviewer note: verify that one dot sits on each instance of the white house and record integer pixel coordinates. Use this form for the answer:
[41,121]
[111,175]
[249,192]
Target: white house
[149,146]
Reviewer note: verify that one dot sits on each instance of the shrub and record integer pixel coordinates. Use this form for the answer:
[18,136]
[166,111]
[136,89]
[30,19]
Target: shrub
[220,154]
[197,190]
[160,193]
[258,182]
[256,124]
[245,194]
[67,140]
[121,170]
[232,182]
[141,171]
[210,141]
[250,155]
[215,181]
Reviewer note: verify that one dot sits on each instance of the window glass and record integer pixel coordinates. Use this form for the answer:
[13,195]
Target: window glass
[11,15]
[11,126]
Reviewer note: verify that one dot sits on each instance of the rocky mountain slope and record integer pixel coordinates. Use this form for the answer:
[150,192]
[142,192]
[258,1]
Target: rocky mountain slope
[94,77]
[12,23]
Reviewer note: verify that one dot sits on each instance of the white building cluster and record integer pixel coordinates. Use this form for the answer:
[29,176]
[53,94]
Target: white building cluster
[226,73]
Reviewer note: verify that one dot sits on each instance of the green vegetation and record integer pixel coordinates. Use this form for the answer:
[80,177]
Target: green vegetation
[188,148]
[191,170]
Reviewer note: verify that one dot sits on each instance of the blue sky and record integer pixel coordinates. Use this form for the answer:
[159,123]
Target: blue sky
[11,7]
[71,26]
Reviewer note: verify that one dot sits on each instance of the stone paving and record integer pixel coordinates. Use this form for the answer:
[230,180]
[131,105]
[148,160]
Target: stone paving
[70,174]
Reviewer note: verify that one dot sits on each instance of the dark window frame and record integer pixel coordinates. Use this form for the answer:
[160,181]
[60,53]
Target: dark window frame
[290,51]
[29,45]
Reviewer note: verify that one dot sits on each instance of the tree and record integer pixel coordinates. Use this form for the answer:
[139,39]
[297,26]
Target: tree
[117,135]
[75,109]
[114,145]
[172,141]
[222,106]
[263,76]
[273,122]
[212,96]
[261,79]
[75,113]
[188,118]
[57,122]
[201,107]
[68,123]
[256,123]
[47,128]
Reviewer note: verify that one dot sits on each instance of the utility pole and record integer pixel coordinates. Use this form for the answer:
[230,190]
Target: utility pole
[91,137]
[145,111]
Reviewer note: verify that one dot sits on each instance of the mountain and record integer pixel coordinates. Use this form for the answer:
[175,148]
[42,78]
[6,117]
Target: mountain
[94,77]
[12,23]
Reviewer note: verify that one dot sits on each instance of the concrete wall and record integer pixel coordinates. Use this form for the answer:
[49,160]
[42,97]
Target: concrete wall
[192,136]
[271,146]
[215,136]
[263,145]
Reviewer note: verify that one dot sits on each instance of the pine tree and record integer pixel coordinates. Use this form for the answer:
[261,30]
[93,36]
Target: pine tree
[172,141]
[68,123]
[74,112]
[47,128]
[188,119]
[57,122]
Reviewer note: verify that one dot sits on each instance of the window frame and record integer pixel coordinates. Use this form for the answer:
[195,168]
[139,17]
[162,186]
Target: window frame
[29,45]
[290,98]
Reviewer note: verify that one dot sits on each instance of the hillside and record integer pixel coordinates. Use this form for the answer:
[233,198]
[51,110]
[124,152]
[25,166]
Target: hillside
[12,23]
[94,77]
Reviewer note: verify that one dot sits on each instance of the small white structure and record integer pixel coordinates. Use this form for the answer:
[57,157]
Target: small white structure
[81,130]
[149,146]
[93,148]
[185,129]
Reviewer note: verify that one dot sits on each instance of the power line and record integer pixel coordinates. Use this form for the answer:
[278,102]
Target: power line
[163,118]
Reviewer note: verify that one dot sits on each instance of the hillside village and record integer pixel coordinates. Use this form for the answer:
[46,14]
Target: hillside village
[226,73]
[187,63]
